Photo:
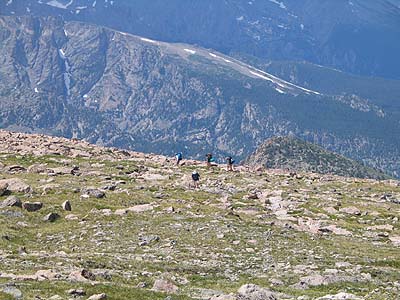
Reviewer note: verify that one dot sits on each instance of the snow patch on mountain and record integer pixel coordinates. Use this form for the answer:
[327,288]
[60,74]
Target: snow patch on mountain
[190,51]
[67,75]
[148,41]
[58,4]
[281,4]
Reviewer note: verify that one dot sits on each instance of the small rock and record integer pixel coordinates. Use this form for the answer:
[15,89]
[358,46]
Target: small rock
[98,297]
[252,196]
[12,214]
[71,217]
[162,285]
[170,209]
[76,292]
[51,217]
[66,205]
[12,201]
[93,193]
[88,275]
[145,240]
[31,207]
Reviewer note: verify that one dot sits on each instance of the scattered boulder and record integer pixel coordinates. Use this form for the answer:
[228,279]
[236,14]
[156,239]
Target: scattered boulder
[71,217]
[92,193]
[317,279]
[254,292]
[141,208]
[12,201]
[37,168]
[15,169]
[351,210]
[82,275]
[32,206]
[3,188]
[148,239]
[12,290]
[48,188]
[88,275]
[47,275]
[121,212]
[98,297]
[16,185]
[340,296]
[66,205]
[224,297]
[162,285]
[11,214]
[395,240]
[51,217]
[76,292]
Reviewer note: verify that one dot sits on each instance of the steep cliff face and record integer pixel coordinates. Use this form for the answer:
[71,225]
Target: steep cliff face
[112,88]
[359,36]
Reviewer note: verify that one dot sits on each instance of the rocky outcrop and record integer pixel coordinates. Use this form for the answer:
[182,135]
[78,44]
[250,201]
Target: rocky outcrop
[293,154]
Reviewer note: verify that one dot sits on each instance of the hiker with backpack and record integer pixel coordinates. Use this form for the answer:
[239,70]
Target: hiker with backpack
[229,163]
[179,157]
[196,179]
[210,160]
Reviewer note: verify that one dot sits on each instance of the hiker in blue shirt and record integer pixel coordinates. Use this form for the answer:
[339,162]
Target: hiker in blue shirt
[179,157]
[210,160]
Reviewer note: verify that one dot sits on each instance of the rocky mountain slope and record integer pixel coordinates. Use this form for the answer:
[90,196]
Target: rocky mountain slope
[79,221]
[111,88]
[358,36]
[293,154]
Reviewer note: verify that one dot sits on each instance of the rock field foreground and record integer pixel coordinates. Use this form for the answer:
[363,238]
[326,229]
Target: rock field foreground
[79,221]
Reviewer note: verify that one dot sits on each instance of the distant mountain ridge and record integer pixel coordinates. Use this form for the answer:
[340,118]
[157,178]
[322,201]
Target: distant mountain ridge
[359,36]
[111,88]
[293,154]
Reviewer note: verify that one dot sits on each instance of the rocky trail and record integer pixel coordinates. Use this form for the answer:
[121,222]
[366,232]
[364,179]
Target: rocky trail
[80,221]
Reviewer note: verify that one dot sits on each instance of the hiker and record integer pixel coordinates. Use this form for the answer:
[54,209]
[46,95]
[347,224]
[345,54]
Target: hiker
[178,157]
[229,163]
[209,160]
[196,179]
